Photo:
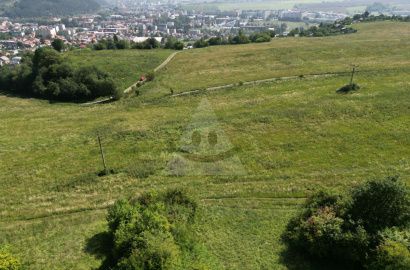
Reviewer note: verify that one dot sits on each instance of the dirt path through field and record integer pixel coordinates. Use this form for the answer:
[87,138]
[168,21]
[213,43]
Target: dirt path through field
[257,81]
[129,88]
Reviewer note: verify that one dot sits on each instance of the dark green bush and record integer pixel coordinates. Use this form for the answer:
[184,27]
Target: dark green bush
[123,44]
[393,253]
[179,45]
[347,88]
[381,203]
[201,43]
[323,235]
[155,251]
[150,76]
[240,39]
[118,94]
[260,37]
[150,43]
[154,231]
[348,228]
[100,46]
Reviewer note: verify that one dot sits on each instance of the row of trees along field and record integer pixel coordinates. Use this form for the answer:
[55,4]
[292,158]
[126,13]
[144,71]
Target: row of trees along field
[50,8]
[241,38]
[151,43]
[45,74]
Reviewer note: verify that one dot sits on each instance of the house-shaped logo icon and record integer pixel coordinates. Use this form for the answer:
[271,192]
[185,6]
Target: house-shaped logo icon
[204,148]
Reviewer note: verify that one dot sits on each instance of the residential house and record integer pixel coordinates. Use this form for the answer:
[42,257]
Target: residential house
[4,60]
[13,52]
[18,33]
[15,61]
[10,44]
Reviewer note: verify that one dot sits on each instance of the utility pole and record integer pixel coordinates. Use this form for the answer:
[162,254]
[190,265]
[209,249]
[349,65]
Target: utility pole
[102,154]
[351,79]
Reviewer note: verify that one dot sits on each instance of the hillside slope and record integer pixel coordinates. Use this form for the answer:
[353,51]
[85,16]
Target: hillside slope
[377,46]
[47,8]
[291,136]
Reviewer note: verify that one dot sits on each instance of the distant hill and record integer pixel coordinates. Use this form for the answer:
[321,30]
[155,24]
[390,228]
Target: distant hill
[47,8]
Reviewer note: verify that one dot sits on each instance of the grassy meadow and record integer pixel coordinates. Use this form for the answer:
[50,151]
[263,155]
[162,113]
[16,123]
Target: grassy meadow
[260,5]
[306,5]
[378,46]
[125,66]
[291,136]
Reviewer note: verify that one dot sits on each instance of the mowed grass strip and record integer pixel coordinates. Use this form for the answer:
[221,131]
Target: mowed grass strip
[376,46]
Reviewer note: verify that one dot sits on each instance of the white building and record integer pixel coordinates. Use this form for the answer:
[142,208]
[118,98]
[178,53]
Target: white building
[4,60]
[290,15]
[48,32]
[15,61]
[142,39]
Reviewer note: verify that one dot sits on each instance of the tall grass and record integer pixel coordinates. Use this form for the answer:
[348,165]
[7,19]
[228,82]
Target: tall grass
[290,135]
[377,46]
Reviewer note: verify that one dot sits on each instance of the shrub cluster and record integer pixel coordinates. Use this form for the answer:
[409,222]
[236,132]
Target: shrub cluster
[148,44]
[154,231]
[46,75]
[367,17]
[368,226]
[173,44]
[264,36]
[393,253]
[324,29]
[151,76]
[112,44]
[347,88]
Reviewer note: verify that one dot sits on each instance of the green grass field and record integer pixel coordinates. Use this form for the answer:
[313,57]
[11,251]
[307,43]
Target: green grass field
[125,66]
[291,136]
[379,46]
[261,5]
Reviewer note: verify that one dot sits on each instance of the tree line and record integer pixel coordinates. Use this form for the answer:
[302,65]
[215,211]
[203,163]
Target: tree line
[45,74]
[324,29]
[50,8]
[150,43]
[241,38]
[367,17]
[342,27]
